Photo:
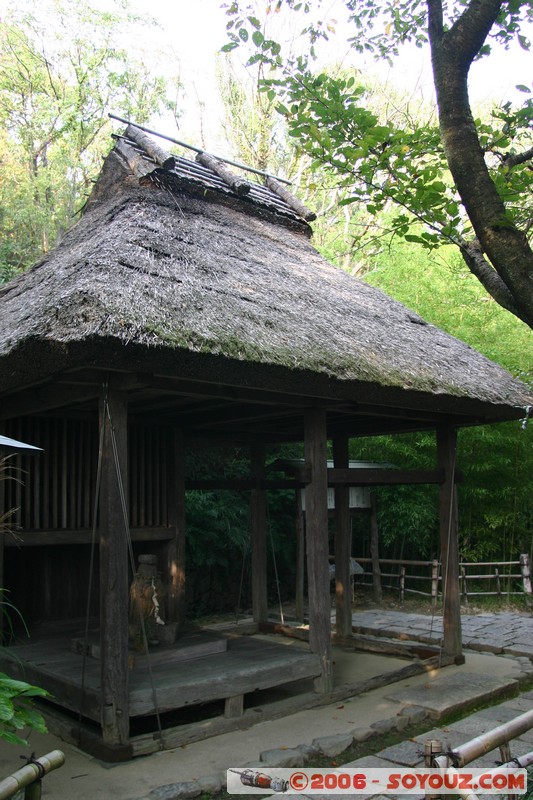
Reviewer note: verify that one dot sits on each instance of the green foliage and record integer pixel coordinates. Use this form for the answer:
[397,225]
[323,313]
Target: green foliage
[17,711]
[383,162]
[64,67]
[218,536]
[16,708]
[496,496]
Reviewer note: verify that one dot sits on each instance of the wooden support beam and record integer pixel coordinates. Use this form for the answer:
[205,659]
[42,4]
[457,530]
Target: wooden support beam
[84,536]
[316,510]
[176,512]
[446,451]
[343,543]
[234,706]
[3,534]
[241,484]
[383,477]
[374,550]
[300,556]
[258,532]
[114,570]
[45,398]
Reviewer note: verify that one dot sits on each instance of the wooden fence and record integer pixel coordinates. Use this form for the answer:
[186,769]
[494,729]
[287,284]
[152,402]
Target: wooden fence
[501,578]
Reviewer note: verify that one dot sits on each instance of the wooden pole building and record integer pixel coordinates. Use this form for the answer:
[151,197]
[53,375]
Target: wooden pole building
[200,302]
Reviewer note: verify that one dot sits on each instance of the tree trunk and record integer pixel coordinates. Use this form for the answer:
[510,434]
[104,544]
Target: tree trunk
[509,275]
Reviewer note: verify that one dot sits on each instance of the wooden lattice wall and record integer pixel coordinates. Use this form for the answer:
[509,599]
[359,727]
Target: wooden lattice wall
[46,560]
[56,489]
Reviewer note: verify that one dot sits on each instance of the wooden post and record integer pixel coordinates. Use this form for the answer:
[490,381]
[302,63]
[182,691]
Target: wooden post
[343,543]
[374,551]
[465,587]
[498,582]
[434,582]
[300,557]
[177,604]
[3,534]
[401,583]
[316,513]
[114,571]
[258,535]
[452,641]
[526,573]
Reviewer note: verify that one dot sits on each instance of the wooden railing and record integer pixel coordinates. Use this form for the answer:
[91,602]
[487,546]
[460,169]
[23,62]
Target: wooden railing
[424,577]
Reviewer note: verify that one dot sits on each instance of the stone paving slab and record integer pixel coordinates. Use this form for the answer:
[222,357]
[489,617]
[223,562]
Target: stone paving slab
[405,754]
[452,693]
[508,632]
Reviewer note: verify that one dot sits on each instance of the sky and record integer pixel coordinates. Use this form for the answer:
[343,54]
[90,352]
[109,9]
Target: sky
[196,30]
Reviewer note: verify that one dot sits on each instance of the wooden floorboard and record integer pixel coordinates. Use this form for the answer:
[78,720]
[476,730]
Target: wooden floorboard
[247,665]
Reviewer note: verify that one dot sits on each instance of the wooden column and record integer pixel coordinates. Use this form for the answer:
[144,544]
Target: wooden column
[258,509]
[300,557]
[343,543]
[114,572]
[316,514]
[374,550]
[3,510]
[177,603]
[449,545]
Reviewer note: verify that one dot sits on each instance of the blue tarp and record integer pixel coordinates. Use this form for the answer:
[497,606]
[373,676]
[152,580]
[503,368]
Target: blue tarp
[13,444]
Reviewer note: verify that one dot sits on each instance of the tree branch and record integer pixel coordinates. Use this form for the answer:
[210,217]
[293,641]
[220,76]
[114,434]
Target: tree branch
[479,267]
[469,32]
[513,159]
[435,20]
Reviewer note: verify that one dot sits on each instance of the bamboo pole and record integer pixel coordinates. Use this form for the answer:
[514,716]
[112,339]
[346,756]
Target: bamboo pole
[432,749]
[488,741]
[32,772]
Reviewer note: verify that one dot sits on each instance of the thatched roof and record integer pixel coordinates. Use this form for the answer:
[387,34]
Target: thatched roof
[171,268]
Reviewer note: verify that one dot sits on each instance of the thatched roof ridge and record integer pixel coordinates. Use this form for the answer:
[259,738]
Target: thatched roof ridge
[169,271]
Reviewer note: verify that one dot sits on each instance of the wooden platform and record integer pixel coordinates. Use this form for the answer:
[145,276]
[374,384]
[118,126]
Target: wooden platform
[258,677]
[243,665]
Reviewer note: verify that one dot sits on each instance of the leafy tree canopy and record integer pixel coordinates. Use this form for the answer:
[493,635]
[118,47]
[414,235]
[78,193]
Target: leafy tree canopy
[463,181]
[64,66]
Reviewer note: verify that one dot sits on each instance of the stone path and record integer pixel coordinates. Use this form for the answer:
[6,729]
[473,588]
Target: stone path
[411,752]
[505,632]
[297,740]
